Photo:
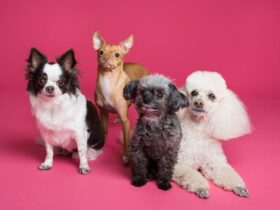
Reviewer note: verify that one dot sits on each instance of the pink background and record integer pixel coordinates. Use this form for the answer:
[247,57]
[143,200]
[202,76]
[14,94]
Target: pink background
[238,38]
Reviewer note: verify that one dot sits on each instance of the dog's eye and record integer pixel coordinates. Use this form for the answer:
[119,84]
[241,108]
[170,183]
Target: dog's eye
[194,93]
[101,52]
[211,96]
[42,81]
[60,82]
[117,55]
[159,95]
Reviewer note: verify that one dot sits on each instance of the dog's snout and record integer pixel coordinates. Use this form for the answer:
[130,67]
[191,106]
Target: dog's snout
[198,103]
[50,89]
[147,97]
[106,58]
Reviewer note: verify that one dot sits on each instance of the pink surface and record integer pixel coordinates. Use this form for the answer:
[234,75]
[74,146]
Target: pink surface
[238,38]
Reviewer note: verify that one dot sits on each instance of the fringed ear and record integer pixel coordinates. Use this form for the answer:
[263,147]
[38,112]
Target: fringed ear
[230,120]
[130,90]
[68,61]
[36,58]
[126,45]
[177,99]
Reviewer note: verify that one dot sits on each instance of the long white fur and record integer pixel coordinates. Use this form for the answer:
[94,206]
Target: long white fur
[61,120]
[201,146]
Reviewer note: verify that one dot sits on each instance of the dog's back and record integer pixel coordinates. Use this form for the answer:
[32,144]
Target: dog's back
[134,70]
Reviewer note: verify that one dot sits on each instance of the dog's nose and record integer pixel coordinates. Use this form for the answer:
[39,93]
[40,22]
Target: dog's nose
[106,58]
[147,97]
[199,103]
[50,89]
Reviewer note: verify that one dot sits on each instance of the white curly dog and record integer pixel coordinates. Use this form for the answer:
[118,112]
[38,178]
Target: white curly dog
[215,113]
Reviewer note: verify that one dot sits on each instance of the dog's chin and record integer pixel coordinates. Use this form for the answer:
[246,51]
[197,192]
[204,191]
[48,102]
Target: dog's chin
[107,65]
[199,112]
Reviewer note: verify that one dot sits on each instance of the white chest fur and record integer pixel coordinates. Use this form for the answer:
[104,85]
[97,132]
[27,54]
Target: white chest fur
[62,120]
[106,85]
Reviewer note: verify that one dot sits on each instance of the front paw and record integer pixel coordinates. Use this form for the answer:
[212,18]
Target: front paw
[45,166]
[202,193]
[164,185]
[241,191]
[138,182]
[84,170]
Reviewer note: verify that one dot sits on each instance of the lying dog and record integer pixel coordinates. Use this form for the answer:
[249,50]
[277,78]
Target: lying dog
[112,76]
[214,113]
[64,116]
[154,145]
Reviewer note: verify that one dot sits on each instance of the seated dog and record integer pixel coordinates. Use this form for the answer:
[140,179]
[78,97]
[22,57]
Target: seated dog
[154,145]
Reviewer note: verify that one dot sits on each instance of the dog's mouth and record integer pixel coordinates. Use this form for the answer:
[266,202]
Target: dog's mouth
[147,109]
[50,95]
[106,64]
[199,110]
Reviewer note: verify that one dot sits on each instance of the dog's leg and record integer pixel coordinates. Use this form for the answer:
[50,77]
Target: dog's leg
[139,168]
[82,151]
[104,120]
[165,170]
[226,177]
[126,132]
[191,179]
[48,163]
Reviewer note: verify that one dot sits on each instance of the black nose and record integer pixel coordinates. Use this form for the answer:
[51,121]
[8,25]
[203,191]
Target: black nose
[50,89]
[147,97]
[199,103]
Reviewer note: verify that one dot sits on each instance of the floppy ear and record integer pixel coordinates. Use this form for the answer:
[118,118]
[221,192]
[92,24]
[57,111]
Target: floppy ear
[130,90]
[97,40]
[68,61]
[126,45]
[230,120]
[36,58]
[177,99]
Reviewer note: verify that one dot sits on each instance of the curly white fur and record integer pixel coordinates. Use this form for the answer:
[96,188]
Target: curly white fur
[221,118]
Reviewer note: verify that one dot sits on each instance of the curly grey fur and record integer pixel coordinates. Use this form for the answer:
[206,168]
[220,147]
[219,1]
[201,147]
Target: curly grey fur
[155,143]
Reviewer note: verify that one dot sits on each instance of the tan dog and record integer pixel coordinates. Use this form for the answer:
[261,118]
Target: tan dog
[113,74]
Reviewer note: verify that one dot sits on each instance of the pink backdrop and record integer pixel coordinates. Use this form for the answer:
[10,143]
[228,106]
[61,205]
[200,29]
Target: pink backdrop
[238,38]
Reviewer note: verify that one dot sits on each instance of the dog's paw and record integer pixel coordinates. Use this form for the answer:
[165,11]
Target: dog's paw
[202,193]
[138,182]
[125,160]
[84,170]
[44,166]
[241,191]
[164,185]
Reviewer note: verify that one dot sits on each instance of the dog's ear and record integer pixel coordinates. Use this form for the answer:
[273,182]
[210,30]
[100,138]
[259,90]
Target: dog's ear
[176,99]
[68,61]
[36,58]
[130,90]
[97,40]
[230,120]
[126,45]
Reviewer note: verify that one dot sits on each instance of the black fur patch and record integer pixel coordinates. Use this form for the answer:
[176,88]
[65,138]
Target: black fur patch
[96,139]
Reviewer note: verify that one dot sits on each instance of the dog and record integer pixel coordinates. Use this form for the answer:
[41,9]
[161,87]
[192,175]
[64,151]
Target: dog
[113,74]
[65,118]
[215,113]
[155,142]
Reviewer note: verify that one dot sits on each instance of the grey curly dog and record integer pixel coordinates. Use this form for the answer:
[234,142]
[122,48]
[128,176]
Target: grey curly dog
[155,142]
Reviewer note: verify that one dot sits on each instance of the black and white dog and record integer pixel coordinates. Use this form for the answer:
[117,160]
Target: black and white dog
[155,143]
[65,118]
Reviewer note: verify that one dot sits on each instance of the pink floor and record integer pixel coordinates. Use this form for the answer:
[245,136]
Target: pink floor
[256,157]
[238,38]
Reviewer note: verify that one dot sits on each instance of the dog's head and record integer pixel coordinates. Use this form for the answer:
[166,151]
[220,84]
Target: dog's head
[155,95]
[51,80]
[212,101]
[111,56]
